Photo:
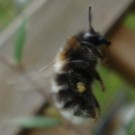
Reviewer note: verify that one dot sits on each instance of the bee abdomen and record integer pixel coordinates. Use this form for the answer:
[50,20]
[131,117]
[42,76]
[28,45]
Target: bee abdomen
[74,104]
[71,88]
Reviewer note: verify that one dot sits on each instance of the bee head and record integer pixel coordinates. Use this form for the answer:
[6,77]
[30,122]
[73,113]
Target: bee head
[93,38]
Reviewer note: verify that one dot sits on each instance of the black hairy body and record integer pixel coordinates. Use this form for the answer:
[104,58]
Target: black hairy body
[75,72]
[79,67]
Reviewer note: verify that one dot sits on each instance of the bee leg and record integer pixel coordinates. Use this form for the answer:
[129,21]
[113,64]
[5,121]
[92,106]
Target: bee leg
[97,115]
[100,81]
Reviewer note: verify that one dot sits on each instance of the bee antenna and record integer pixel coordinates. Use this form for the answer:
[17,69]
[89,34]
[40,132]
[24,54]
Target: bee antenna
[90,20]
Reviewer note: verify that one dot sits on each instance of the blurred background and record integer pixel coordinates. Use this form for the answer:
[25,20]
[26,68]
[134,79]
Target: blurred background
[31,33]
[9,9]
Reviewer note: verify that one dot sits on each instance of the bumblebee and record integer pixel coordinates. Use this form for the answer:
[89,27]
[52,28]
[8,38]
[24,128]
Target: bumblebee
[75,72]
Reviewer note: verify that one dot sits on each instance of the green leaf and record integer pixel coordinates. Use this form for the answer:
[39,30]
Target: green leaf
[129,21]
[36,122]
[19,43]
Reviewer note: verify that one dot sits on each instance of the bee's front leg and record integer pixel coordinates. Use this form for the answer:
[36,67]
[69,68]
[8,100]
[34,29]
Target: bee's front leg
[97,76]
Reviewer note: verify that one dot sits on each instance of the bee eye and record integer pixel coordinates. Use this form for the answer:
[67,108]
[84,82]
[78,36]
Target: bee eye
[87,35]
[89,38]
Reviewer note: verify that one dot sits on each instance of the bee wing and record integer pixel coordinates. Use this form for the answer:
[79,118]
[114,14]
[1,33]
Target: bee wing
[40,77]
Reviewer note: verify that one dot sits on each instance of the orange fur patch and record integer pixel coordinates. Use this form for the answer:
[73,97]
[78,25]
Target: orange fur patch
[63,55]
[72,44]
